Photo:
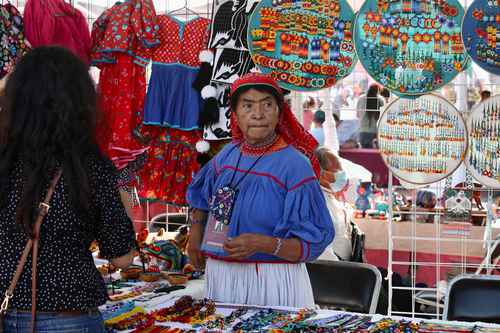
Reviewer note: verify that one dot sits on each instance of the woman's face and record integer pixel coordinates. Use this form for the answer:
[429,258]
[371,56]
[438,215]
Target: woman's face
[258,114]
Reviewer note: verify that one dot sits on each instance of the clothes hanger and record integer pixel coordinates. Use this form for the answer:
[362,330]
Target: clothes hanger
[185,9]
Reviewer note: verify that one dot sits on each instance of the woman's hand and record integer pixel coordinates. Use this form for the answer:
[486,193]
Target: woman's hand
[246,245]
[194,246]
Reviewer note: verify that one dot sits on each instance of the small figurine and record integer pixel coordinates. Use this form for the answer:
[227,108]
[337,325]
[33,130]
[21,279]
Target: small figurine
[181,239]
[169,253]
[476,196]
[363,201]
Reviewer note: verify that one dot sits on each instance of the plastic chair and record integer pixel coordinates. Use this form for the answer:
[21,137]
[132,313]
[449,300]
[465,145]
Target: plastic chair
[345,285]
[473,298]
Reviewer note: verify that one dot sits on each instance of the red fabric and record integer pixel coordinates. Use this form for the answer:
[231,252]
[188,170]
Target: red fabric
[181,42]
[121,40]
[56,22]
[129,27]
[122,89]
[170,166]
[289,128]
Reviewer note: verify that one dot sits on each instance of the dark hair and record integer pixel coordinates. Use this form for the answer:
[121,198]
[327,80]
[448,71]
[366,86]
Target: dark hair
[485,94]
[309,103]
[385,92]
[48,122]
[259,87]
[373,102]
[319,117]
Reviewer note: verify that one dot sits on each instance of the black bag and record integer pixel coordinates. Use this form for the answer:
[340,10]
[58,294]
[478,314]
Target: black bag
[358,244]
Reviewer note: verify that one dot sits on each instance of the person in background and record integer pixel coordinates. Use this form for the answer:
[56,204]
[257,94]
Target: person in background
[386,95]
[369,106]
[347,132]
[485,94]
[48,127]
[257,210]
[333,180]
[317,130]
[307,112]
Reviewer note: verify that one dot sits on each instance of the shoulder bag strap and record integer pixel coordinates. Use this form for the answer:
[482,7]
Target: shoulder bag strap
[32,244]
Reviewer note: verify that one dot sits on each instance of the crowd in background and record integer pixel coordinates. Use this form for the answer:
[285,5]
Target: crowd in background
[356,109]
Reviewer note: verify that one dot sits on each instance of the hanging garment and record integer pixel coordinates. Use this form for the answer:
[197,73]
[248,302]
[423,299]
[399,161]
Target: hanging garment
[171,100]
[56,22]
[129,27]
[13,42]
[122,40]
[171,164]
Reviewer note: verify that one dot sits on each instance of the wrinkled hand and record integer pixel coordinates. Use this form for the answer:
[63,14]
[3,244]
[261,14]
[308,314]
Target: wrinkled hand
[245,245]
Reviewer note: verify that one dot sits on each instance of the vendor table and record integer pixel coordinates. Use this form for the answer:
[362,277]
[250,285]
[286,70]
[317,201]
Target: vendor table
[346,322]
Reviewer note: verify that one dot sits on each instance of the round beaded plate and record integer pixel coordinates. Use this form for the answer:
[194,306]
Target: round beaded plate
[305,45]
[483,155]
[410,47]
[481,34]
[422,140]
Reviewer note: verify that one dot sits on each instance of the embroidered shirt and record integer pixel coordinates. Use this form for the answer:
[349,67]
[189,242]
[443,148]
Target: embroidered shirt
[279,197]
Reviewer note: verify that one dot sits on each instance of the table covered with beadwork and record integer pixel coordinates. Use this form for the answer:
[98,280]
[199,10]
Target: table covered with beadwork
[186,314]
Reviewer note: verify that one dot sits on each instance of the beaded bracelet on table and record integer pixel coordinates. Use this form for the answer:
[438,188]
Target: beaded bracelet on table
[186,310]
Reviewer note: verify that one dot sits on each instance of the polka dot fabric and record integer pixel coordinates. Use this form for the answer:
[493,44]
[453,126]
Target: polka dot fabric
[181,42]
[67,276]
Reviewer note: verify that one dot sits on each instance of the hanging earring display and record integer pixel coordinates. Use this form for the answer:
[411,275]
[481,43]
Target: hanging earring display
[411,47]
[483,156]
[422,140]
[481,34]
[305,45]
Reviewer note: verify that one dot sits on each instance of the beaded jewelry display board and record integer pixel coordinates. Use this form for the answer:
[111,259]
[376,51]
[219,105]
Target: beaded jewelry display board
[410,47]
[305,45]
[422,140]
[483,157]
[481,34]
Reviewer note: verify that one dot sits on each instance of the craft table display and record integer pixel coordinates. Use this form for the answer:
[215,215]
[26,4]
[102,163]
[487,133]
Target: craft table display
[481,34]
[422,140]
[410,47]
[189,315]
[483,158]
[305,45]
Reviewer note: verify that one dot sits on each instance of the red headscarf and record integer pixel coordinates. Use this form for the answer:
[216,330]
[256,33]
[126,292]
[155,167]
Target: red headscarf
[288,127]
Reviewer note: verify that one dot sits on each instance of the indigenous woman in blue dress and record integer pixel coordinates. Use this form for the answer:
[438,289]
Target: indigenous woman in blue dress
[258,212]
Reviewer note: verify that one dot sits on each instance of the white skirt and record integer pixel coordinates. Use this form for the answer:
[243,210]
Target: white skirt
[259,284]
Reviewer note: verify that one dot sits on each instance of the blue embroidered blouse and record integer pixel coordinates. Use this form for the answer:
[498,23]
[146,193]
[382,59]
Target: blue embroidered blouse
[279,197]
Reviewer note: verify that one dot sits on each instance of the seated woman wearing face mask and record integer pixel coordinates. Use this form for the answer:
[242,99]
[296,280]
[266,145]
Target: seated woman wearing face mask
[333,180]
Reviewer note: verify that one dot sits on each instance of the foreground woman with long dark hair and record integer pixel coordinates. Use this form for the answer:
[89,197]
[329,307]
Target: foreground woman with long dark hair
[46,130]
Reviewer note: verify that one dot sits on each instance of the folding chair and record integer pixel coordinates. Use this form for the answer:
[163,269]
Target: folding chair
[345,285]
[473,298]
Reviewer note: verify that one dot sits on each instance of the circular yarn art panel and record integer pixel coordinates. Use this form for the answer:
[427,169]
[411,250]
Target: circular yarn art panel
[483,156]
[305,45]
[411,47]
[481,34]
[422,140]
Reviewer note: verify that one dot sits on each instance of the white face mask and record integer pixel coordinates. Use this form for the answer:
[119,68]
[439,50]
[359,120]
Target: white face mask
[340,181]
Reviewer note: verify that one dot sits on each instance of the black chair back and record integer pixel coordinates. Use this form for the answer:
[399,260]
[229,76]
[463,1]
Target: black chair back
[345,285]
[473,298]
